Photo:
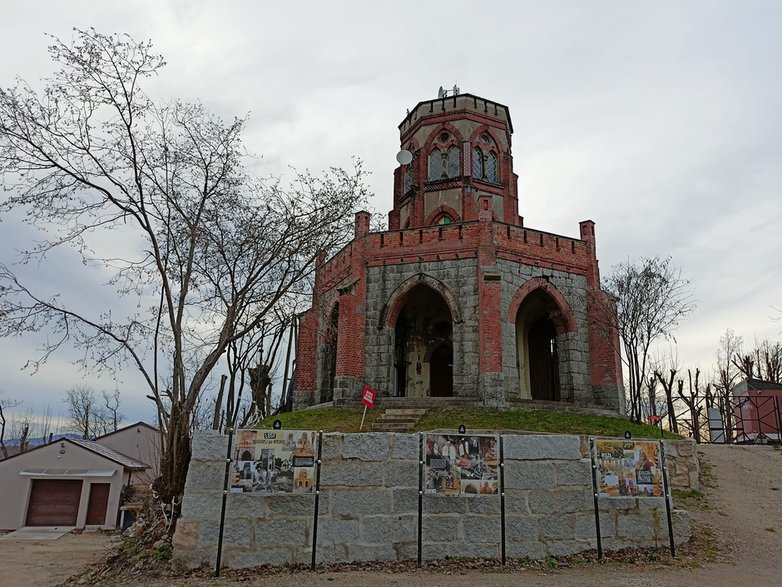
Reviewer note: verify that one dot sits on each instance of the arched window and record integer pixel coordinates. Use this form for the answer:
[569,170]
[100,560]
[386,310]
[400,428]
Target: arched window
[491,168]
[485,166]
[444,219]
[477,163]
[453,162]
[435,165]
[407,179]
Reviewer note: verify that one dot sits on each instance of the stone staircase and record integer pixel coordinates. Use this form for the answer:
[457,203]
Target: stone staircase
[397,419]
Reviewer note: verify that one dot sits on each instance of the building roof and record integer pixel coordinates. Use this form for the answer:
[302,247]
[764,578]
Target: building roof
[139,423]
[98,449]
[755,385]
[458,97]
[117,457]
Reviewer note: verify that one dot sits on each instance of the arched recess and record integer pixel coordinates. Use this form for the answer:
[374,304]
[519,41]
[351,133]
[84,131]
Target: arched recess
[442,211]
[423,344]
[434,138]
[397,299]
[328,351]
[541,316]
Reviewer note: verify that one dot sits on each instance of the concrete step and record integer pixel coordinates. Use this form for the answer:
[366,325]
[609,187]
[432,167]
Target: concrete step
[385,420]
[404,412]
[427,403]
[397,419]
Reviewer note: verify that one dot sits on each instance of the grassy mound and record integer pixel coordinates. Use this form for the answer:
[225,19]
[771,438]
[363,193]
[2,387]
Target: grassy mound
[349,419]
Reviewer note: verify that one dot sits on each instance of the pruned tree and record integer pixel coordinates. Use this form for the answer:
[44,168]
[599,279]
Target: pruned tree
[251,363]
[208,251]
[666,379]
[727,375]
[651,299]
[764,361]
[694,400]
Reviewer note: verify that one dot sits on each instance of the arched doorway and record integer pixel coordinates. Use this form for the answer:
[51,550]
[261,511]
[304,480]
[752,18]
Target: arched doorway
[423,345]
[536,348]
[329,350]
[441,371]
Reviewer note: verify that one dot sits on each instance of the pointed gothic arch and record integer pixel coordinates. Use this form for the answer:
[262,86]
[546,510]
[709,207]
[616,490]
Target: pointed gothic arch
[541,316]
[398,298]
[423,343]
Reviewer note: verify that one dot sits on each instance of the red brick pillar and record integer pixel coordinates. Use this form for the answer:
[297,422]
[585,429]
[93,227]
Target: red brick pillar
[490,314]
[605,362]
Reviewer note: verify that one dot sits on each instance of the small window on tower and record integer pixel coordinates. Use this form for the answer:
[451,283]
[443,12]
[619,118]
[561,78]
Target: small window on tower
[453,162]
[477,163]
[444,219]
[435,165]
[491,168]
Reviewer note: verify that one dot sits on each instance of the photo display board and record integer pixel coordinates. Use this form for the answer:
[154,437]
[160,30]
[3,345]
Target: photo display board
[274,461]
[628,468]
[461,465]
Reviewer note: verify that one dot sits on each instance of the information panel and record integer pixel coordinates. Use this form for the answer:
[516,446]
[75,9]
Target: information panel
[274,461]
[628,468]
[461,465]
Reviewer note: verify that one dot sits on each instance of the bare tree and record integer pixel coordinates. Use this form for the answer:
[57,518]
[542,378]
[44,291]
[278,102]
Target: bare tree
[5,404]
[113,416]
[213,251]
[727,376]
[764,361]
[694,400]
[253,360]
[651,299]
[667,381]
[87,416]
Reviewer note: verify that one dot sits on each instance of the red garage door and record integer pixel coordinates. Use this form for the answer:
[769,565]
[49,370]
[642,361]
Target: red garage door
[54,502]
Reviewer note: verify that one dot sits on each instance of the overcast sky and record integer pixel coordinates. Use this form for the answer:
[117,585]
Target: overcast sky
[660,121]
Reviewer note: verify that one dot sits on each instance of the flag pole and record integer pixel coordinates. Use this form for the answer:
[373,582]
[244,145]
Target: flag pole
[362,418]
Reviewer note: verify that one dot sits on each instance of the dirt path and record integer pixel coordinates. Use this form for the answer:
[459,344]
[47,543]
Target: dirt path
[50,562]
[742,545]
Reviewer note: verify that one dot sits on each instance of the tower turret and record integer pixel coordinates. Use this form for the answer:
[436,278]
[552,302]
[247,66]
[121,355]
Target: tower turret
[461,147]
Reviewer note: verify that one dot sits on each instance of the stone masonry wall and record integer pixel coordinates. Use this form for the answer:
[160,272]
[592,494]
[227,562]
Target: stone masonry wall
[460,277]
[574,347]
[368,508]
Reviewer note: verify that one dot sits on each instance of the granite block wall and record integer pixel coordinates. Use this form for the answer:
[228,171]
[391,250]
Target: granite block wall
[368,507]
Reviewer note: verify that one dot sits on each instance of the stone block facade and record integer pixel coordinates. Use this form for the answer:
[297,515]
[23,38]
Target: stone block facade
[368,508]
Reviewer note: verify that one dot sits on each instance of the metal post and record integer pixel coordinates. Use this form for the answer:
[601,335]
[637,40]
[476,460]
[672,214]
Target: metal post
[502,499]
[595,497]
[317,501]
[420,492]
[667,493]
[218,561]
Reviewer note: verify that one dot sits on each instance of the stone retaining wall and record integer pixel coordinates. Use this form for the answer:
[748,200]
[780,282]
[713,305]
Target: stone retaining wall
[368,508]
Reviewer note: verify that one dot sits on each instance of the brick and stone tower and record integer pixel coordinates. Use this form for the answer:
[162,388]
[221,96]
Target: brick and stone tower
[458,298]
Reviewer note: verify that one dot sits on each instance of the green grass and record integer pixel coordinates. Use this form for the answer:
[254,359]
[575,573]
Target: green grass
[326,419]
[536,421]
[690,499]
[348,420]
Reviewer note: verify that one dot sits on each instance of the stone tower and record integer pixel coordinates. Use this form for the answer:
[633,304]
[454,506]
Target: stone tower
[458,298]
